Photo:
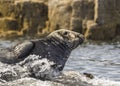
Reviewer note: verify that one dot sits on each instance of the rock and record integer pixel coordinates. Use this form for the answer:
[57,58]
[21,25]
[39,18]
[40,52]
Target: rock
[100,32]
[31,16]
[81,10]
[6,8]
[102,28]
[69,14]
[118,30]
[59,14]
[7,23]
[89,75]
[40,17]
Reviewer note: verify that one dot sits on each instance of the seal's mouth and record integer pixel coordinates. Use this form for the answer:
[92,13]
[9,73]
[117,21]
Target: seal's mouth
[81,38]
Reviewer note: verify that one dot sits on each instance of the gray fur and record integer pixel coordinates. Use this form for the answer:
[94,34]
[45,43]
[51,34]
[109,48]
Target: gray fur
[13,55]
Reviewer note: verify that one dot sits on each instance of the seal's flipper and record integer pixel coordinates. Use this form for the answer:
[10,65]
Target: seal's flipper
[23,49]
[16,54]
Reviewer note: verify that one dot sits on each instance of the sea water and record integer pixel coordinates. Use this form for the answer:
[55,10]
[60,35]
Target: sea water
[100,60]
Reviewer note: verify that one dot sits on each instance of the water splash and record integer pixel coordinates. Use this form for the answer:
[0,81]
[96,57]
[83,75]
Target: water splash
[41,67]
[103,82]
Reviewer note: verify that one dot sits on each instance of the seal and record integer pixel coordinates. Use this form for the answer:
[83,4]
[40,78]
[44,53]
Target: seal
[55,48]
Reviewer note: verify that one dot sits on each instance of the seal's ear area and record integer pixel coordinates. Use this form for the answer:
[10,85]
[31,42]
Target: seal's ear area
[56,34]
[82,38]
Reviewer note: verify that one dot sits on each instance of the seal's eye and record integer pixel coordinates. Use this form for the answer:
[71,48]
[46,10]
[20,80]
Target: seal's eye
[65,33]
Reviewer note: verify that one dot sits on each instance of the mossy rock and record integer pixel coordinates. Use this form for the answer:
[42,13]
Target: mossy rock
[6,8]
[100,32]
[7,23]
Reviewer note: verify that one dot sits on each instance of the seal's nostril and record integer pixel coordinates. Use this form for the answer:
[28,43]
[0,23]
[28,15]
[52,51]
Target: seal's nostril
[82,37]
[60,67]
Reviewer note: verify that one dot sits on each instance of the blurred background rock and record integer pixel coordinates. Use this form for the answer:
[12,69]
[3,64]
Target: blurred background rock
[96,19]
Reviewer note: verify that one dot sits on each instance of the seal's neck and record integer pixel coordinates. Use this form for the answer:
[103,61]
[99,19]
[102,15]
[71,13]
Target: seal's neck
[58,42]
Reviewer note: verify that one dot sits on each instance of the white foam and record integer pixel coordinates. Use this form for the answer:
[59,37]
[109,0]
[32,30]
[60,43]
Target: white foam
[42,67]
[27,82]
[101,81]
[42,83]
[104,82]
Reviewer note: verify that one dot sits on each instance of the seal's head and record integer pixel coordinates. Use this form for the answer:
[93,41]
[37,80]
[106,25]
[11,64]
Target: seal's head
[70,38]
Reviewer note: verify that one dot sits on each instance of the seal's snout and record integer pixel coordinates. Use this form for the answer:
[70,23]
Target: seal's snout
[82,38]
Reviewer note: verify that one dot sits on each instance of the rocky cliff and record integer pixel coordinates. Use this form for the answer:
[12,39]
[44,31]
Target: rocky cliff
[96,19]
